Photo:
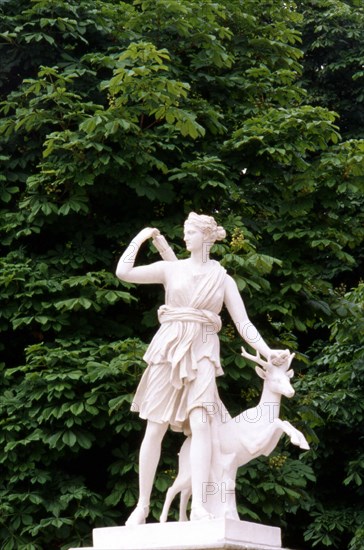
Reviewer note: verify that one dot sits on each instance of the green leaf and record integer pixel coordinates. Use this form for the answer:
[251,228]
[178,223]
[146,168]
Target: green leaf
[69,438]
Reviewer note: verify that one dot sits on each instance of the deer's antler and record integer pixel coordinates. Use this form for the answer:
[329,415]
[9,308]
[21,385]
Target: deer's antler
[256,358]
[283,362]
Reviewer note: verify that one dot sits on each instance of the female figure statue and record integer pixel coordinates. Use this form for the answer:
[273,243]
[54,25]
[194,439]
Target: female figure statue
[178,386]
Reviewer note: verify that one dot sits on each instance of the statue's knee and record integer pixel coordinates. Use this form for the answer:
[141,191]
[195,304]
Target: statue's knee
[199,420]
[155,431]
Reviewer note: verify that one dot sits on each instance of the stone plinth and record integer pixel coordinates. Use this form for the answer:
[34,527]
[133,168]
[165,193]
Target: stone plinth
[215,534]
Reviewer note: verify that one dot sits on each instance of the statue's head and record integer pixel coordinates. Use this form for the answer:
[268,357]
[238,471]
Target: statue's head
[207,225]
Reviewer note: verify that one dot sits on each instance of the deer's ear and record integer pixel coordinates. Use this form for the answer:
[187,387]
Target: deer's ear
[260,372]
[290,373]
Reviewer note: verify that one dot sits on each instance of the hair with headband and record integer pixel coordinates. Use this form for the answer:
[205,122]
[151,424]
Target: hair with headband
[207,225]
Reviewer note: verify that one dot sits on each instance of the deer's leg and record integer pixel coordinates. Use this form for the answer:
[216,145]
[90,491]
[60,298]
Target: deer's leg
[171,493]
[296,437]
[177,487]
[229,477]
[182,484]
[185,496]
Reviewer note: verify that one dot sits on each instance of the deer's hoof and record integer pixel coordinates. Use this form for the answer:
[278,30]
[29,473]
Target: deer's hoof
[163,518]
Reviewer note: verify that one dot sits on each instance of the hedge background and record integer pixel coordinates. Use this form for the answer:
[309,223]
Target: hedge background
[119,115]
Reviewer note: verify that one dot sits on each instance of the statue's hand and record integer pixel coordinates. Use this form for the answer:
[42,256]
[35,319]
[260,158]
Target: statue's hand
[279,357]
[147,233]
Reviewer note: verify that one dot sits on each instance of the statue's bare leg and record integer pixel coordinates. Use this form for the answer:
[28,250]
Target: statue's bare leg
[200,457]
[150,451]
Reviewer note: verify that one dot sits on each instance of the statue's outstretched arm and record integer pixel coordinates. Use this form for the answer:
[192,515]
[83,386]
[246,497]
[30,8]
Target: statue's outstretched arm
[245,327]
[238,313]
[153,273]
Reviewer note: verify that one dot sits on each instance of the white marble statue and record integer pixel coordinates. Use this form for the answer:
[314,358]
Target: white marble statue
[252,433]
[178,388]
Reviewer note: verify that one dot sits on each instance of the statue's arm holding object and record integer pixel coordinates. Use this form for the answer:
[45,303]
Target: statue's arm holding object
[153,273]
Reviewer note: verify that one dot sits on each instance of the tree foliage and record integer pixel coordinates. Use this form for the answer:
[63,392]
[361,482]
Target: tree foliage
[115,116]
[333,34]
[334,389]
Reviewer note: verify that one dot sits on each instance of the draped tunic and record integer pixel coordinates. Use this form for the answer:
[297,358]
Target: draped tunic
[184,356]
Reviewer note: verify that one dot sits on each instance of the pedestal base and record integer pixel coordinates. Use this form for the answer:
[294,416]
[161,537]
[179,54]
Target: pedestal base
[213,534]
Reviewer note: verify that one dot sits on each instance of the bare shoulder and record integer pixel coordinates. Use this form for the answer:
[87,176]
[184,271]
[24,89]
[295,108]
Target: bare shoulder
[232,294]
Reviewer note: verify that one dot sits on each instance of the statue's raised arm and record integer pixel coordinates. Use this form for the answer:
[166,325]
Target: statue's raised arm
[126,271]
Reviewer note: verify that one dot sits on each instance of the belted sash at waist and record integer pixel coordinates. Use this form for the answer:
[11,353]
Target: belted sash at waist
[204,316]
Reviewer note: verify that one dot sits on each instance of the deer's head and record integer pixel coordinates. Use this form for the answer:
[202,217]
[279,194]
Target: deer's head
[277,377]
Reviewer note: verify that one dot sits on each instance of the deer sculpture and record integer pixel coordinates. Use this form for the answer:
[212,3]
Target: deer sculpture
[237,441]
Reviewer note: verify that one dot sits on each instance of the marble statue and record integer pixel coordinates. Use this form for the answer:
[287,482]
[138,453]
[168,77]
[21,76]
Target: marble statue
[178,388]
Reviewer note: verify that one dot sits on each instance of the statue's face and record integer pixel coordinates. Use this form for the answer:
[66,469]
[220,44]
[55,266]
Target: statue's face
[193,237]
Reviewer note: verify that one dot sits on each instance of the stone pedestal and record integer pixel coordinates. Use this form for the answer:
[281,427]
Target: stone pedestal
[215,534]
